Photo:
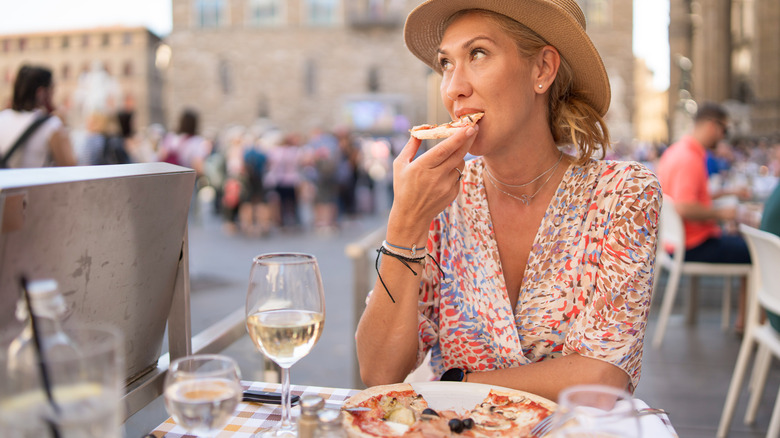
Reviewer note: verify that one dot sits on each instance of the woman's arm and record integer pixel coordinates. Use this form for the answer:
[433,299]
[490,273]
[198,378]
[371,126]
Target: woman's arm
[549,377]
[61,149]
[387,335]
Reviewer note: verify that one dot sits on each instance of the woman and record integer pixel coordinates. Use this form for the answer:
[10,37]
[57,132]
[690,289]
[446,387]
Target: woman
[540,264]
[48,143]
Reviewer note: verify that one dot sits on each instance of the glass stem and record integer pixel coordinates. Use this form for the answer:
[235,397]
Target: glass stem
[286,408]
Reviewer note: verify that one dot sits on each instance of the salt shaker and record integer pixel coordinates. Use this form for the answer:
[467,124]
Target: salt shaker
[307,422]
[329,424]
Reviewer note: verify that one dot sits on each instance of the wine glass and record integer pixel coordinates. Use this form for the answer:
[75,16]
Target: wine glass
[595,411]
[285,314]
[202,391]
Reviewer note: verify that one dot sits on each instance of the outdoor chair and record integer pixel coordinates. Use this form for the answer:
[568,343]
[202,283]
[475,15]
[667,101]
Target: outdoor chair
[764,293]
[672,233]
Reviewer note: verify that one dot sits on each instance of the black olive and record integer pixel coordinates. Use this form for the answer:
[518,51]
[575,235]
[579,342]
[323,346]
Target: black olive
[456,425]
[468,423]
[429,411]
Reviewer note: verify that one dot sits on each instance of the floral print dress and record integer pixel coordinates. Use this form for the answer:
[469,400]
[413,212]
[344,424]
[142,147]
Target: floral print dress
[587,284]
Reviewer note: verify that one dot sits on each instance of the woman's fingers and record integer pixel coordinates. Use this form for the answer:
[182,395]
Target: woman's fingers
[451,150]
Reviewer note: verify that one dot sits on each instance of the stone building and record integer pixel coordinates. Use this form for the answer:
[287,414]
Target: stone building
[323,63]
[727,51]
[301,63]
[120,60]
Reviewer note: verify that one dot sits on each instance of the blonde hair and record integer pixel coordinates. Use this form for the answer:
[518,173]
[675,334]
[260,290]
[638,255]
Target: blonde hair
[571,119]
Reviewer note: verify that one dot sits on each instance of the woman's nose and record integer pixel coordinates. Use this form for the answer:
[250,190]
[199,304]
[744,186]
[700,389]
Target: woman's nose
[457,85]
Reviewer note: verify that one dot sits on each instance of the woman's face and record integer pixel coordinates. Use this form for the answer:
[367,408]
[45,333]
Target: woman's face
[482,70]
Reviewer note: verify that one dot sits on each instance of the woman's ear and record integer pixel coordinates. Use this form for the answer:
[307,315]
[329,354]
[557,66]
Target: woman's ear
[546,68]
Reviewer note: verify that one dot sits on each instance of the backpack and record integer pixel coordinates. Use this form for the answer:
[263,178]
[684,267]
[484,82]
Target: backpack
[114,151]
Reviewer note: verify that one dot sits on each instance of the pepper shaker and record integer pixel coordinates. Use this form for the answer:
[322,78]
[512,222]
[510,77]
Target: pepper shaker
[307,422]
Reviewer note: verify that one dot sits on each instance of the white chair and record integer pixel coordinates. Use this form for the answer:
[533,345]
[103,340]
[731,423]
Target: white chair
[764,292]
[672,233]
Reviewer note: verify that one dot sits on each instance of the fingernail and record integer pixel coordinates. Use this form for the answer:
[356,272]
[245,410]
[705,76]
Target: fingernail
[470,131]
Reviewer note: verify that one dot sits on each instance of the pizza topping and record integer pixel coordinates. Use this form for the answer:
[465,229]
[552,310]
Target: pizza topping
[401,414]
[429,411]
[456,425]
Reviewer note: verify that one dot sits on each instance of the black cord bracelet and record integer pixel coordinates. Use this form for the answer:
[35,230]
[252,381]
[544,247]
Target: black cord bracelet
[402,259]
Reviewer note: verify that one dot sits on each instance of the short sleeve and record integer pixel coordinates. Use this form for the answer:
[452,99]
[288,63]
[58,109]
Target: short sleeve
[611,326]
[683,182]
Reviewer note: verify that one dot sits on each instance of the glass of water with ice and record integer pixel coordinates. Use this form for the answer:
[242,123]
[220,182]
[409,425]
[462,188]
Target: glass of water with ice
[202,391]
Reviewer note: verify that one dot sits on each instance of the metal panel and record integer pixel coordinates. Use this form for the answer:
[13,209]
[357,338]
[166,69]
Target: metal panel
[112,236]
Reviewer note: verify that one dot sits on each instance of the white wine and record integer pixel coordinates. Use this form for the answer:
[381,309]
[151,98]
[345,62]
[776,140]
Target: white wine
[202,406]
[87,410]
[285,336]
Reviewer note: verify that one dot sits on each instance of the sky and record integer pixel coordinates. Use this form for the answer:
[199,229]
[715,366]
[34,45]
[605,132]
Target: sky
[651,20]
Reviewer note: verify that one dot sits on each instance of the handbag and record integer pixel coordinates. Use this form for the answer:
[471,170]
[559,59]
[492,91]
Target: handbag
[23,138]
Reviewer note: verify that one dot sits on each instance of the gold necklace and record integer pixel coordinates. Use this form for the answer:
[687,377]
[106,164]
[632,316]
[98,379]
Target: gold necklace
[526,199]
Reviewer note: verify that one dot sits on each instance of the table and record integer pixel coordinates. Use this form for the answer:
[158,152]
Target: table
[250,417]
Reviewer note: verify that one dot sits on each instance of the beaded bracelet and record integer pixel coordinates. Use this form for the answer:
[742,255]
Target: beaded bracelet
[412,251]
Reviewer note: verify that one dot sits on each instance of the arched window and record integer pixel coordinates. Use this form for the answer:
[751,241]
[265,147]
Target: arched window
[598,13]
[310,78]
[210,13]
[322,12]
[265,13]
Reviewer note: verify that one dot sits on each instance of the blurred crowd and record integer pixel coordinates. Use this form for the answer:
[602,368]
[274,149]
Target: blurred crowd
[261,180]
[258,178]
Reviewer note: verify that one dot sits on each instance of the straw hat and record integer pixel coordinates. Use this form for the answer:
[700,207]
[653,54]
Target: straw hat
[560,22]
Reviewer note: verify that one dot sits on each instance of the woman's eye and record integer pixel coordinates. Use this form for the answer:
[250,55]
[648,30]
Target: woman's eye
[477,54]
[445,64]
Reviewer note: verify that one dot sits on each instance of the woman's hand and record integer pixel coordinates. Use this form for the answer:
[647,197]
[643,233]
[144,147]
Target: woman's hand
[425,186]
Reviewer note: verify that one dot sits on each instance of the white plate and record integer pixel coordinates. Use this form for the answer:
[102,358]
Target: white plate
[458,396]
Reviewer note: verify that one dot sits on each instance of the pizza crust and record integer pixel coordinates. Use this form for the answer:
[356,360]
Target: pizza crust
[431,132]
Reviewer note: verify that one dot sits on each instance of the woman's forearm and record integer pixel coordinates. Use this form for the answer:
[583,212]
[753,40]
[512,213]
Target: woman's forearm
[549,377]
[387,333]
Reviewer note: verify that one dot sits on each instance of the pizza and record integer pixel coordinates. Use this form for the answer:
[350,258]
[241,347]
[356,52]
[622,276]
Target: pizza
[399,411]
[428,132]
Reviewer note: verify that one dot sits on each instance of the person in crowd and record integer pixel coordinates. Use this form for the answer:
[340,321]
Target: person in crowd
[324,150]
[525,267]
[31,135]
[186,147]
[682,170]
[284,176]
[252,212]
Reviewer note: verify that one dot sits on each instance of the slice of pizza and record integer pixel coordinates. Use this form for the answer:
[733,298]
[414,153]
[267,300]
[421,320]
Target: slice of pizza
[393,410]
[429,132]
[509,413]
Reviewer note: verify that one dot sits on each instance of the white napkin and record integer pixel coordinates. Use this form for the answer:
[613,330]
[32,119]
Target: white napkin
[654,426]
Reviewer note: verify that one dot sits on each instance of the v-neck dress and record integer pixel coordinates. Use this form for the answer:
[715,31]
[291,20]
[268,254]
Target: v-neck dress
[586,287]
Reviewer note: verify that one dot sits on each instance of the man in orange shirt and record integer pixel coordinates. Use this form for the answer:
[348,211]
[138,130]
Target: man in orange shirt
[682,171]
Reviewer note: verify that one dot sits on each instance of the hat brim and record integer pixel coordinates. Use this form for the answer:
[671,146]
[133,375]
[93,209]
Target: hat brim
[425,27]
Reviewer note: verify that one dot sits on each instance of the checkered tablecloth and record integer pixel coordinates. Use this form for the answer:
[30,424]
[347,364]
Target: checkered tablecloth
[251,417]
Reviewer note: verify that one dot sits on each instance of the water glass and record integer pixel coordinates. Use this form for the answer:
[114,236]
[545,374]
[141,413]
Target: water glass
[202,392]
[85,389]
[595,411]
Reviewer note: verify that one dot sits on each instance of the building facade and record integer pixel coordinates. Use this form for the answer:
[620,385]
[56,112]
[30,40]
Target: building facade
[306,64]
[303,64]
[727,51]
[116,64]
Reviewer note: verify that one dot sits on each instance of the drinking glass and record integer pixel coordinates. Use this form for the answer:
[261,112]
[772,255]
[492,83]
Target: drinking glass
[595,411]
[285,314]
[202,391]
[85,389]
